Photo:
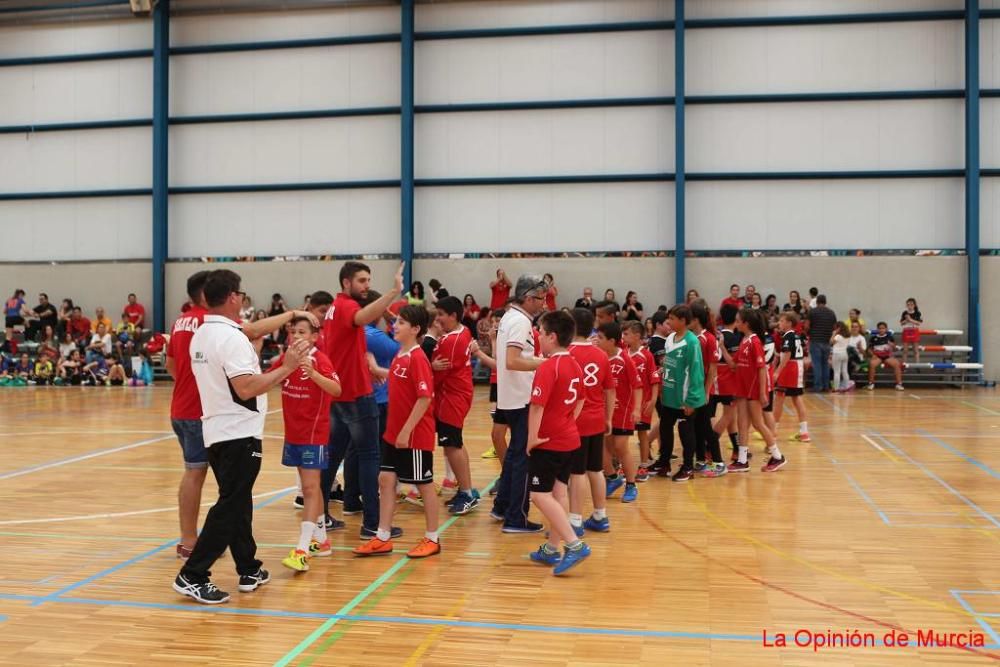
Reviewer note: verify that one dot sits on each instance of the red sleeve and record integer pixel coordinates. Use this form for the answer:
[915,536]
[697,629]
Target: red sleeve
[609,379]
[542,385]
[711,355]
[758,354]
[325,367]
[459,353]
[345,313]
[631,373]
[420,372]
[275,364]
[652,372]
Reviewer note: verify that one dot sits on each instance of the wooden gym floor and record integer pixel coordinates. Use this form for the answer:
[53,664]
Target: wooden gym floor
[889,521]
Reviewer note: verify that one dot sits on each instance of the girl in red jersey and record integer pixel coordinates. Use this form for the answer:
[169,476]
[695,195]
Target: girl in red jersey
[755,389]
[650,377]
[790,375]
[727,382]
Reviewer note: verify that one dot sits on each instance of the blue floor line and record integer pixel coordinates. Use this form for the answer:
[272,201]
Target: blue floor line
[982,622]
[836,409]
[867,499]
[941,443]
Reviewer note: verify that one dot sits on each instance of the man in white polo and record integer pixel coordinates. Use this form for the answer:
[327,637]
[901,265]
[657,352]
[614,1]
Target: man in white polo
[516,364]
[234,405]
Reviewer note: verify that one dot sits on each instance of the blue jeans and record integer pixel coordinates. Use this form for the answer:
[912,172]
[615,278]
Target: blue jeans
[354,439]
[820,355]
[512,490]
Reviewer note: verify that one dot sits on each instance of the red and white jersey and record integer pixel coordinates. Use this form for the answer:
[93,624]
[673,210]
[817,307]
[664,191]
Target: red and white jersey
[727,382]
[185,402]
[596,380]
[793,374]
[649,377]
[749,361]
[710,354]
[305,407]
[556,388]
[626,382]
[453,387]
[410,378]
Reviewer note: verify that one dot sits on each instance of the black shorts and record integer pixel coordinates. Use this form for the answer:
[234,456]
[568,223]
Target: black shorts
[499,417]
[770,402]
[493,392]
[448,435]
[718,400]
[622,431]
[117,382]
[412,466]
[790,391]
[642,426]
[545,467]
[12,322]
[590,455]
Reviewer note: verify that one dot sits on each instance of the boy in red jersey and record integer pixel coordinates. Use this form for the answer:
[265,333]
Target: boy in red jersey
[727,381]
[408,441]
[594,423]
[556,402]
[649,378]
[305,406]
[791,374]
[452,365]
[628,410]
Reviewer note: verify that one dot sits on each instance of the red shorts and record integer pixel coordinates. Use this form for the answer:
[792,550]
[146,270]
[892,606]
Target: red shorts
[911,335]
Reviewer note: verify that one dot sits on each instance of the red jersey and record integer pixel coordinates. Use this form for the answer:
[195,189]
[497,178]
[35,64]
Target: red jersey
[344,344]
[500,296]
[556,388]
[727,382]
[185,402]
[453,387]
[410,378]
[135,313]
[749,361]
[596,380]
[550,299]
[626,382]
[710,354]
[649,377]
[304,404]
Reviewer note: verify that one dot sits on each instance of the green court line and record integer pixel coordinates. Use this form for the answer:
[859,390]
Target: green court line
[359,598]
[979,407]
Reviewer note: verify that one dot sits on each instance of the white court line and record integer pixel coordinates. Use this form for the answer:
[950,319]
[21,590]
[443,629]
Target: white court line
[55,431]
[83,457]
[872,443]
[114,515]
[914,396]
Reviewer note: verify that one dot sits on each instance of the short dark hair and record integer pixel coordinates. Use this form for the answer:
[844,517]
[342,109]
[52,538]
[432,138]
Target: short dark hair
[727,313]
[350,269]
[881,324]
[699,311]
[681,312]
[611,331]
[659,317]
[219,285]
[736,285]
[434,283]
[813,291]
[130,294]
[607,308]
[821,300]
[635,327]
[416,316]
[81,309]
[196,284]
[561,324]
[584,320]
[451,305]
[755,320]
[321,298]
[303,318]
[499,312]
[43,294]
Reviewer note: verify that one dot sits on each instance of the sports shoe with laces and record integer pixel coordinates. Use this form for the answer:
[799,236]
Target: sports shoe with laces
[317,549]
[333,524]
[612,485]
[426,547]
[571,558]
[205,592]
[490,453]
[642,475]
[736,466]
[251,582]
[715,470]
[774,464]
[683,475]
[631,493]
[296,560]
[544,556]
[374,547]
[463,503]
[597,525]
[528,527]
[299,502]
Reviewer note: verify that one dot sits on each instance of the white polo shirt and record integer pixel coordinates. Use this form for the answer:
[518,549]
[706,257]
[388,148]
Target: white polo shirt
[514,387]
[220,351]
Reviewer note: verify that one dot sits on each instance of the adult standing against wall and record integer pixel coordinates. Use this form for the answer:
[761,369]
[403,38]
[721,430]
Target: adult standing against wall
[550,296]
[822,321]
[516,364]
[354,416]
[499,291]
[233,394]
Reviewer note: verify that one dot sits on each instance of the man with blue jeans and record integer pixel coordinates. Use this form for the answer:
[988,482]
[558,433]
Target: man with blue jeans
[354,420]
[822,321]
[516,364]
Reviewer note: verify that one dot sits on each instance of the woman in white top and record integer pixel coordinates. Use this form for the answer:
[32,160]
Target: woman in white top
[247,311]
[838,355]
[857,345]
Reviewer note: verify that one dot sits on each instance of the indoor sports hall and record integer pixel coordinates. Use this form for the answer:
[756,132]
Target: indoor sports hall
[776,223]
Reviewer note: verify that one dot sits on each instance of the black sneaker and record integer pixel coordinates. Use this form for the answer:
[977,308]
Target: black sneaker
[368,533]
[529,527]
[250,582]
[684,474]
[333,524]
[337,495]
[657,467]
[299,502]
[351,512]
[205,593]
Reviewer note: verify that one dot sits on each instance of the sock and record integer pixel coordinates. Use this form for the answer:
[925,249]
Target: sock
[383,535]
[775,452]
[467,492]
[600,514]
[733,438]
[549,550]
[612,477]
[448,472]
[743,455]
[576,520]
[574,545]
[803,427]
[432,535]
[305,535]
[629,485]
[320,534]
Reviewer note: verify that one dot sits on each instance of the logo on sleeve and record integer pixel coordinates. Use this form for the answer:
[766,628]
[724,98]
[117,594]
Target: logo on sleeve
[422,386]
[537,391]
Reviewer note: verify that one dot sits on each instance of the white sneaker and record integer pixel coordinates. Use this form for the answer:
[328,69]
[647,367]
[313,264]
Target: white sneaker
[871,386]
[900,387]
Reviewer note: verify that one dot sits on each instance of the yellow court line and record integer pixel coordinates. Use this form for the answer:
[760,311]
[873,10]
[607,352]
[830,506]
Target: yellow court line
[433,635]
[814,566]
[880,448]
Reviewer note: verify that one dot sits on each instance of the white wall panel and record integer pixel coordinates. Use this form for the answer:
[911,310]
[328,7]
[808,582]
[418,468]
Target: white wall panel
[741,8]
[989,217]
[48,39]
[905,213]
[285,223]
[629,64]
[231,28]
[75,229]
[285,79]
[538,218]
[519,13]
[100,90]
[76,160]
[903,134]
[565,141]
[328,149]
[799,59]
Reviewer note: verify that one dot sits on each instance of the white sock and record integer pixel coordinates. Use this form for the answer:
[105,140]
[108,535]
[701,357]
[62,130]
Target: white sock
[432,535]
[803,427]
[600,514]
[448,472]
[383,535]
[743,454]
[320,533]
[305,535]
[576,520]
[775,452]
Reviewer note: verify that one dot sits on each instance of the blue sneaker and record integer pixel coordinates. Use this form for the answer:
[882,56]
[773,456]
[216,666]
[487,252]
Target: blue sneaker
[541,555]
[631,494]
[613,485]
[597,525]
[700,466]
[463,503]
[571,558]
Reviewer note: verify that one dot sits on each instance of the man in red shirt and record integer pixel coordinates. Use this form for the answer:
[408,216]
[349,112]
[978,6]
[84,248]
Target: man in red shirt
[452,366]
[733,299]
[78,326]
[354,414]
[135,312]
[499,290]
